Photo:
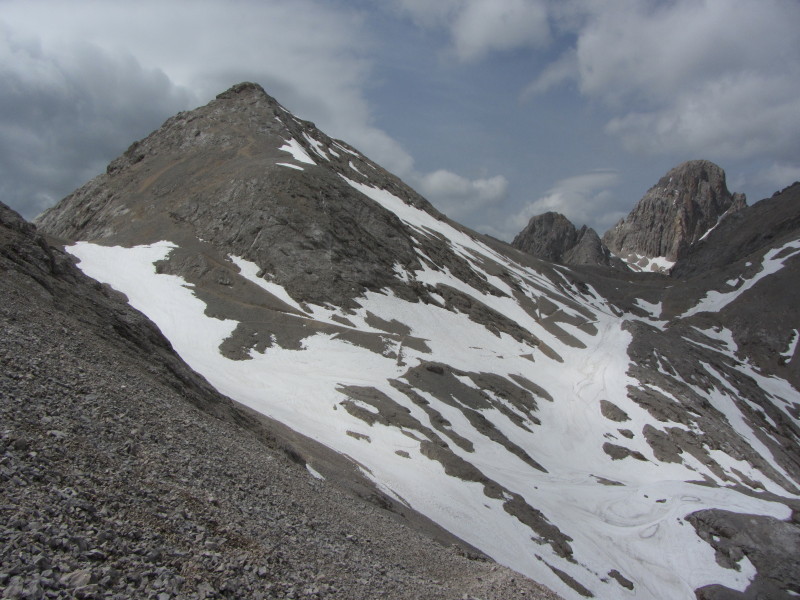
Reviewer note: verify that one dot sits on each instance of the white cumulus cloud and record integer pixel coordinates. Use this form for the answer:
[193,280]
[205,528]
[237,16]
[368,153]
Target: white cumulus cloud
[585,199]
[458,196]
[480,27]
[689,77]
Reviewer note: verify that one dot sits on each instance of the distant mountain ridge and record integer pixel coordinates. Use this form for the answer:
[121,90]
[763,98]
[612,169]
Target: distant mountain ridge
[683,207]
[551,236]
[607,433]
[717,257]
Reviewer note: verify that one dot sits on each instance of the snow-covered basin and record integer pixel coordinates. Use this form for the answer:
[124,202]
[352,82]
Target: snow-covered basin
[637,528]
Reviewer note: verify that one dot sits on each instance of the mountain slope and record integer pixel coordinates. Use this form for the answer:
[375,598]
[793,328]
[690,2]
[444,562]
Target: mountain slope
[746,273]
[567,435]
[124,474]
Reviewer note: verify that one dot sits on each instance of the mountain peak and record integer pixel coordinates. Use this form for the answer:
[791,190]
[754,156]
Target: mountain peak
[248,93]
[547,236]
[244,173]
[246,87]
[677,212]
[552,236]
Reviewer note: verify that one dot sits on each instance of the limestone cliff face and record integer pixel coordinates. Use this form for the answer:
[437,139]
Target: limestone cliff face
[551,236]
[675,213]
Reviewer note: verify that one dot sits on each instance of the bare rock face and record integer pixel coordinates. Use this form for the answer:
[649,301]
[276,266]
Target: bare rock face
[763,320]
[588,249]
[547,236]
[551,236]
[674,214]
[735,535]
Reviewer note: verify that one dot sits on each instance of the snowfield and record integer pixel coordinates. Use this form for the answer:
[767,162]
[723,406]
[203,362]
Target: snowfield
[627,515]
[639,262]
[297,151]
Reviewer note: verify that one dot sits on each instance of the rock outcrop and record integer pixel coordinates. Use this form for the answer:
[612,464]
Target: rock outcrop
[551,236]
[764,321]
[678,211]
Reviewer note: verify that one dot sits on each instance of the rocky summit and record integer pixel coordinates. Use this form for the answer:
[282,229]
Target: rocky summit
[242,173]
[553,237]
[606,433]
[674,214]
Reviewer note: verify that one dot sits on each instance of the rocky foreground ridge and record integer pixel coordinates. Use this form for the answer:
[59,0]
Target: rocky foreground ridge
[607,433]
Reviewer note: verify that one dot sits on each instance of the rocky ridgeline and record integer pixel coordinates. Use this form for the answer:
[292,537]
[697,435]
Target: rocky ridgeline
[553,237]
[124,475]
[683,207]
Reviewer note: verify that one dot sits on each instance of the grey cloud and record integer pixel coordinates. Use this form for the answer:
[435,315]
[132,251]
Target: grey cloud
[648,52]
[557,73]
[64,115]
[696,78]
[779,175]
[483,27]
[478,28]
[459,197]
[752,114]
[425,13]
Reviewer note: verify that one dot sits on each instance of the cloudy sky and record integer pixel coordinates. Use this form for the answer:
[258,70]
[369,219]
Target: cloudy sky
[495,110]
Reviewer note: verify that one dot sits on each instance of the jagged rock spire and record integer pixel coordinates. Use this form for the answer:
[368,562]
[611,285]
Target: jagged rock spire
[675,213]
[551,236]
